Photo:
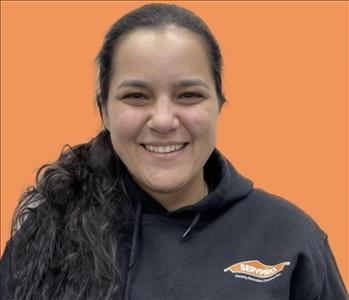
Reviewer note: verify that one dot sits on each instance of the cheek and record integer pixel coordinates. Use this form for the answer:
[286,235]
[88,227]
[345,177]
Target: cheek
[121,128]
[201,124]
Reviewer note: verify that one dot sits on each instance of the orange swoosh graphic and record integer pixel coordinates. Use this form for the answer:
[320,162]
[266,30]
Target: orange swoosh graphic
[256,268]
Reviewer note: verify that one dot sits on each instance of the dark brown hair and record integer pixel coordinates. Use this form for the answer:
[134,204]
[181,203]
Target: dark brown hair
[71,222]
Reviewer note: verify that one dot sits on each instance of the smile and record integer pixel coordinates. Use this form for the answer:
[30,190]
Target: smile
[164,148]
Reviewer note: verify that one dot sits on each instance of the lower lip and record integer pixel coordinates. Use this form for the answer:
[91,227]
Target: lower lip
[166,156]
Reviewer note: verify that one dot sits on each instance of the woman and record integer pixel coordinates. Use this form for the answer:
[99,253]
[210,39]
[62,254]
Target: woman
[149,209]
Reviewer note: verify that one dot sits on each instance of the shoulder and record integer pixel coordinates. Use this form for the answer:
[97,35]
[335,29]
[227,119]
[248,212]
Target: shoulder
[279,215]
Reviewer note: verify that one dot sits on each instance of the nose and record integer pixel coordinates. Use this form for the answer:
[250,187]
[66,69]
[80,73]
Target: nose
[163,117]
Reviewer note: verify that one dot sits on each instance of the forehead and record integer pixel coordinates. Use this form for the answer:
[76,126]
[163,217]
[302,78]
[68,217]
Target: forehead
[169,52]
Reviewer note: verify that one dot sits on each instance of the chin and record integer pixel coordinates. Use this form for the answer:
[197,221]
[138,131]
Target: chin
[164,189]
[161,186]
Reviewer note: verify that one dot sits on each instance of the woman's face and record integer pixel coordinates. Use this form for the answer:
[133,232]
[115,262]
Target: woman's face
[162,109]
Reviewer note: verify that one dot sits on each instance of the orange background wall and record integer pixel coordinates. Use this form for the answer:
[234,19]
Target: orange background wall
[285,77]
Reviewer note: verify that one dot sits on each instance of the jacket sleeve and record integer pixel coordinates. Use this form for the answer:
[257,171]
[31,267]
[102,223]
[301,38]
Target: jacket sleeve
[5,274]
[332,285]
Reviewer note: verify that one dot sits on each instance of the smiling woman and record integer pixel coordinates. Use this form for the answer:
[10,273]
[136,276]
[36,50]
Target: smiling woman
[173,108]
[149,208]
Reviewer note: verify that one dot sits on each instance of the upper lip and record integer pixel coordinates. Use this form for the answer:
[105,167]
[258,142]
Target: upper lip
[163,143]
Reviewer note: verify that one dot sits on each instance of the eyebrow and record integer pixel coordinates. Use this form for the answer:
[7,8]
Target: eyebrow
[145,84]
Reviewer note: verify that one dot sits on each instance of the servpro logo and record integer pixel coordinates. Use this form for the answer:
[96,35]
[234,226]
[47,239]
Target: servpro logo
[259,271]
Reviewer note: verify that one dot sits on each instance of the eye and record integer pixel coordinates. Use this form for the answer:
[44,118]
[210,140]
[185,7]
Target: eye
[135,99]
[191,95]
[134,96]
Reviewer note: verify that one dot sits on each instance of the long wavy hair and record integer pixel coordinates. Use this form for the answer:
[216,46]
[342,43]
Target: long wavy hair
[67,229]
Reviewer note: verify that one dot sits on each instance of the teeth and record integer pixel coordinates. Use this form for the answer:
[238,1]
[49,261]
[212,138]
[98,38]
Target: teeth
[164,149]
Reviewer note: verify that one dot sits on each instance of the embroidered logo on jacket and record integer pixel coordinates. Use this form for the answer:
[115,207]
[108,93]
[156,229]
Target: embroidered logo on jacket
[259,271]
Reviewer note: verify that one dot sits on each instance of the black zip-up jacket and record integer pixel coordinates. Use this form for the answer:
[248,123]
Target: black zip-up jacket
[237,243]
